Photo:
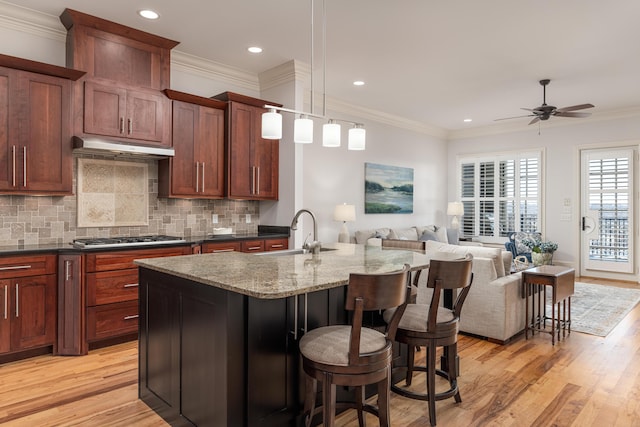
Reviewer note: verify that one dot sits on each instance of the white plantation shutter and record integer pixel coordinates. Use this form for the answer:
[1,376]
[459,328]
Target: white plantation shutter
[500,193]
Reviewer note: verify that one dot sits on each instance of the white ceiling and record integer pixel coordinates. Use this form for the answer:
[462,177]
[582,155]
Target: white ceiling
[433,62]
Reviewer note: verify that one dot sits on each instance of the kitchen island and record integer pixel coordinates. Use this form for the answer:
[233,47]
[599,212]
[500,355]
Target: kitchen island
[219,333]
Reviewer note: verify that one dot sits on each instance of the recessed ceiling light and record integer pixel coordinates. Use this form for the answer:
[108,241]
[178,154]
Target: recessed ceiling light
[254,49]
[358,83]
[149,14]
[467,120]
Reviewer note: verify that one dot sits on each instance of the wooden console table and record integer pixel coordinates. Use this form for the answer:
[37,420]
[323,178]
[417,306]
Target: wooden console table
[535,281]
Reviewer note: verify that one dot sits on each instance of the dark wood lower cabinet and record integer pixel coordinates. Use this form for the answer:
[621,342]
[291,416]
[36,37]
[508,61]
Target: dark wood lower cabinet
[210,357]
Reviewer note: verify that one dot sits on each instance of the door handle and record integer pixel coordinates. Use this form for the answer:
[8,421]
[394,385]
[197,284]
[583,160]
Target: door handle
[584,223]
[203,177]
[24,166]
[197,177]
[13,155]
[6,301]
[17,300]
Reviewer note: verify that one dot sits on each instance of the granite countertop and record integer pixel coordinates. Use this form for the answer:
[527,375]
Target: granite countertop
[272,275]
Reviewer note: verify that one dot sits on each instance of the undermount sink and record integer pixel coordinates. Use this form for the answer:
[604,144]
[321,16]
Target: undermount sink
[292,252]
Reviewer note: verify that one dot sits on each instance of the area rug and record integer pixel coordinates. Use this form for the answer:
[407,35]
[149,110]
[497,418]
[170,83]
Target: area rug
[597,309]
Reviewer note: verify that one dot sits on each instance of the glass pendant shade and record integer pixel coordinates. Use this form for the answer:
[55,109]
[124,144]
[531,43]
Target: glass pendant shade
[357,138]
[272,125]
[303,130]
[331,134]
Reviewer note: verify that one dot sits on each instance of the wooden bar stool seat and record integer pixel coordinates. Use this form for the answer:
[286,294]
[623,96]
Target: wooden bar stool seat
[433,326]
[353,355]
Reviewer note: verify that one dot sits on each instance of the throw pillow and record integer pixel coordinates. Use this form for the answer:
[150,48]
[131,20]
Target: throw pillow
[429,235]
[453,236]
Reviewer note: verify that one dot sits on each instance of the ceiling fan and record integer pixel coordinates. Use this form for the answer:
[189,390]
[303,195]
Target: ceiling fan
[545,111]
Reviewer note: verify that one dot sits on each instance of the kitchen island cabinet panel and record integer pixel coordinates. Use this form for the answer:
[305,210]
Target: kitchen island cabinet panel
[238,357]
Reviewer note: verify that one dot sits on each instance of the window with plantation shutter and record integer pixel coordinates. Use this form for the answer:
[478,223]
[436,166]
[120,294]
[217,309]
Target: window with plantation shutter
[500,193]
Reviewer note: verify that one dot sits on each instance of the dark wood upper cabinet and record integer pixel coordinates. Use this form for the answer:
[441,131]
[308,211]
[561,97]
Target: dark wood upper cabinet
[35,127]
[126,71]
[252,162]
[197,169]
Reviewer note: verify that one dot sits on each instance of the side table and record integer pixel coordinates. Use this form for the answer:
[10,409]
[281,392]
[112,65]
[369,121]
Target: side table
[562,282]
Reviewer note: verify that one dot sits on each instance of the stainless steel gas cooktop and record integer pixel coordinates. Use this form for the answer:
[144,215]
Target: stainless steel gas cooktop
[112,242]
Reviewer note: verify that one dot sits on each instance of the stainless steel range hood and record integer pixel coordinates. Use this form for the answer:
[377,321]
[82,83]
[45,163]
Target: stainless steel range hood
[106,147]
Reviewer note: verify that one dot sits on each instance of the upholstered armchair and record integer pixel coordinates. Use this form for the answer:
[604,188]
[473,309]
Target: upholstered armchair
[515,245]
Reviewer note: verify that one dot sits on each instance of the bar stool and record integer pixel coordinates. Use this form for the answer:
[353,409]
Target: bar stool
[355,355]
[433,326]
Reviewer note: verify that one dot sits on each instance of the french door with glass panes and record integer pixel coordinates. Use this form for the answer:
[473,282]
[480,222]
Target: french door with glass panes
[607,211]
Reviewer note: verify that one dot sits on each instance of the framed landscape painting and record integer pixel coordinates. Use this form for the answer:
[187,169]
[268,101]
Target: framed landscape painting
[387,189]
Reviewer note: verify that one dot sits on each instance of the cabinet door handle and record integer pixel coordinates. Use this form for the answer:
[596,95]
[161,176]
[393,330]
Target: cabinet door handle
[295,318]
[133,316]
[258,180]
[131,285]
[13,155]
[306,306]
[67,272]
[253,248]
[17,300]
[129,126]
[6,301]
[276,246]
[197,177]
[203,177]
[215,251]
[253,179]
[122,125]
[24,166]
[15,267]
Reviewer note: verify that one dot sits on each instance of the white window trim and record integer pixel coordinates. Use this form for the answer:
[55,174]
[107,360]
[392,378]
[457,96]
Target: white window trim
[496,157]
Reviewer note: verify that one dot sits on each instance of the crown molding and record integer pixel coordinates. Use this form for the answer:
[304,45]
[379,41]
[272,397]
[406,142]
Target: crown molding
[31,22]
[288,72]
[214,70]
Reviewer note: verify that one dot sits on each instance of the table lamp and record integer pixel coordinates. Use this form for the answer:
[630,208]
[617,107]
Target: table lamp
[455,209]
[344,213]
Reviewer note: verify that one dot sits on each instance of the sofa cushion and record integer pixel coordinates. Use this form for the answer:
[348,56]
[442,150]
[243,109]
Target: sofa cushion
[409,233]
[495,254]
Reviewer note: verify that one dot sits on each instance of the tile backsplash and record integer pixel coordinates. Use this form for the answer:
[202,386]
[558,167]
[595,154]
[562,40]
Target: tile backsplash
[53,220]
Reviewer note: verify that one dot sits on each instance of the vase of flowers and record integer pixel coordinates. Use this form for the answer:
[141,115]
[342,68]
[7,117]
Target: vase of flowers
[541,252]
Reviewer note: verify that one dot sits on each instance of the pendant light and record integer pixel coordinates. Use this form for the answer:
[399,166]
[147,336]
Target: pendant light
[303,130]
[303,125]
[331,134]
[357,137]
[272,124]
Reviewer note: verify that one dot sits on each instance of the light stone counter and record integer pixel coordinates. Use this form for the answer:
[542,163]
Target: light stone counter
[271,275]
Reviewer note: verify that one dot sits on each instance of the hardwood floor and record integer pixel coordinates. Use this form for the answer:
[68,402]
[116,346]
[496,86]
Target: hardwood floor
[582,381]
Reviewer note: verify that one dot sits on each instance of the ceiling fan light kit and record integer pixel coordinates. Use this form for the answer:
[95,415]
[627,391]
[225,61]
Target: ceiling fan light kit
[544,112]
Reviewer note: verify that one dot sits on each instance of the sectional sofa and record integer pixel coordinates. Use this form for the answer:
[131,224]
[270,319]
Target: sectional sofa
[494,308]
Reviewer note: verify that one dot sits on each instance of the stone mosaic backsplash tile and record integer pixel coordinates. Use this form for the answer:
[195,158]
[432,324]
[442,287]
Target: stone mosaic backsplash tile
[53,220]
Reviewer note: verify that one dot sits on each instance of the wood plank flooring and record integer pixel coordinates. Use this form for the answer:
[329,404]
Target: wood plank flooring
[582,381]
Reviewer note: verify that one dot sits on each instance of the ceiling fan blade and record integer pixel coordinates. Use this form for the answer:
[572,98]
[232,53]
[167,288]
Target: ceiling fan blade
[516,117]
[570,114]
[574,108]
[527,109]
[535,120]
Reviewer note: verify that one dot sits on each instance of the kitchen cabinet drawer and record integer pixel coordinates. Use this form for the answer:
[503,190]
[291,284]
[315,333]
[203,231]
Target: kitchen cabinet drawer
[121,260]
[112,320]
[24,266]
[276,244]
[208,248]
[112,286]
[252,246]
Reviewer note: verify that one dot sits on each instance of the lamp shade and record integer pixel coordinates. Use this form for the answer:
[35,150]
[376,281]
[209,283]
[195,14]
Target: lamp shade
[271,125]
[331,134]
[303,130]
[344,213]
[455,209]
[357,138]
